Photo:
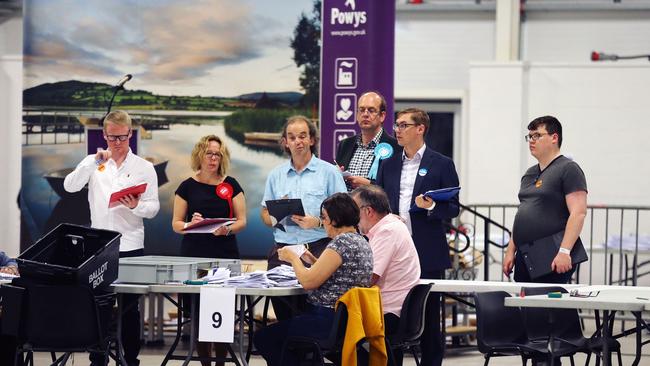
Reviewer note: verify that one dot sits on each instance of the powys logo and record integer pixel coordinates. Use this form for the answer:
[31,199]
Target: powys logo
[344,16]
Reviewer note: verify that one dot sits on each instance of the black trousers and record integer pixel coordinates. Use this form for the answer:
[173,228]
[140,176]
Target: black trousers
[286,307]
[131,341]
[431,342]
[391,326]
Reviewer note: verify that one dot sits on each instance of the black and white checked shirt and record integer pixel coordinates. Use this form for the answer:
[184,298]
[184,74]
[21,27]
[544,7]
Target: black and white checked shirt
[363,157]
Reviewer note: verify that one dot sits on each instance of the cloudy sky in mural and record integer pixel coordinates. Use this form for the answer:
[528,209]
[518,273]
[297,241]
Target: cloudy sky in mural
[190,47]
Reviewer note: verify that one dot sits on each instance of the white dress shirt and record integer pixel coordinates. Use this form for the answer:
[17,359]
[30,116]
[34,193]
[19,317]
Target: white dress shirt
[407,183]
[101,184]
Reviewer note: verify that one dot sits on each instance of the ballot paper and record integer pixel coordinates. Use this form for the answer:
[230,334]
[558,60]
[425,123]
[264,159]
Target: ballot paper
[298,249]
[217,275]
[282,276]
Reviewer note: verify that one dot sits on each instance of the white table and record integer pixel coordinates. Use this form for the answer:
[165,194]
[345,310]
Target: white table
[487,286]
[195,290]
[609,299]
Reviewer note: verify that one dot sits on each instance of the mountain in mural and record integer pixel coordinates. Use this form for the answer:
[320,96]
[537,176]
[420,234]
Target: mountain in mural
[79,94]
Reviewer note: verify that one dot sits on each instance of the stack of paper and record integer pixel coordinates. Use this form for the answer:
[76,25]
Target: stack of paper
[7,276]
[282,276]
[217,275]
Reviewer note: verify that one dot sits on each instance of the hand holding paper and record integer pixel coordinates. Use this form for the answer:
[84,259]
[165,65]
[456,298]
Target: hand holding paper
[298,249]
[207,226]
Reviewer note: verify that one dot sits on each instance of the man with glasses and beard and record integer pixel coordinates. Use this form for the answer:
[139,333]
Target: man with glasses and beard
[356,154]
[106,172]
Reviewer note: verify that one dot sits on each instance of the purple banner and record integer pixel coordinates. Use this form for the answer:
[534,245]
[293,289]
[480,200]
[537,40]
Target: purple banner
[358,47]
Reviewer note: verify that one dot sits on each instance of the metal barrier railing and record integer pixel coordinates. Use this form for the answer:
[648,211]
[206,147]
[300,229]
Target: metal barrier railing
[617,239]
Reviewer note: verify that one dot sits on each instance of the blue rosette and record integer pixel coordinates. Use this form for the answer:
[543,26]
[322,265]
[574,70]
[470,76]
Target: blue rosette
[382,151]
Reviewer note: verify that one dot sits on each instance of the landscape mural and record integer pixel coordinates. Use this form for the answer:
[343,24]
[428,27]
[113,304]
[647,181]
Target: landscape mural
[234,69]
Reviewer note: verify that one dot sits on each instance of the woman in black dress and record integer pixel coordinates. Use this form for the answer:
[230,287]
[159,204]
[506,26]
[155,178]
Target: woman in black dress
[210,193]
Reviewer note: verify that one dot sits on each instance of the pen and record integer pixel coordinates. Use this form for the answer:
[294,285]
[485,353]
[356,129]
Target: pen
[642,298]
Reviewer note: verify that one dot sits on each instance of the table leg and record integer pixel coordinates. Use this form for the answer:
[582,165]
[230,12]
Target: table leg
[607,334]
[639,344]
[242,322]
[179,332]
[194,319]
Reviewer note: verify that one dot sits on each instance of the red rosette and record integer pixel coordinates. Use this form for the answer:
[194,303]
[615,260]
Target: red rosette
[224,191]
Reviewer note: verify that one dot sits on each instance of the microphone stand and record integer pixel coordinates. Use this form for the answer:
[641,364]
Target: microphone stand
[119,86]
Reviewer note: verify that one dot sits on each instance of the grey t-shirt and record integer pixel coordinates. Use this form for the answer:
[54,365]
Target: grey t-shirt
[354,271]
[542,209]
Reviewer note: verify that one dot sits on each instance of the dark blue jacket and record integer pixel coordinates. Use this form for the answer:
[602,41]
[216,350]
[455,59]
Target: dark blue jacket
[427,226]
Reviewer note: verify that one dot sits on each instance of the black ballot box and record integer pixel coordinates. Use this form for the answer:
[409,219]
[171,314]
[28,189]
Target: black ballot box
[72,255]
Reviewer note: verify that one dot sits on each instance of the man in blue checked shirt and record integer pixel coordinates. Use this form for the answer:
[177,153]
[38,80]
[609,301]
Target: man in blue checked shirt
[309,178]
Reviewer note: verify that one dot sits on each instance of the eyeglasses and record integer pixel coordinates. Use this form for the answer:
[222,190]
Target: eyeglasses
[371,110]
[534,137]
[212,155]
[113,138]
[403,126]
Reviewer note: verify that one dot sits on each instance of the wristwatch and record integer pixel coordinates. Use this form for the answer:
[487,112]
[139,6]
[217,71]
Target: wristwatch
[565,251]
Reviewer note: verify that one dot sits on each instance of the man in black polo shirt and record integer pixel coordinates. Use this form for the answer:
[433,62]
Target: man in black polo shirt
[356,154]
[553,198]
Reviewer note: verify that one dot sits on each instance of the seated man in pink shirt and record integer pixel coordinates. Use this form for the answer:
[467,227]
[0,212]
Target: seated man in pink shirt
[396,267]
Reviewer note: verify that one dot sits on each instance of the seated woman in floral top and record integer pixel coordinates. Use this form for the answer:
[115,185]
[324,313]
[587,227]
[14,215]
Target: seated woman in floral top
[344,264]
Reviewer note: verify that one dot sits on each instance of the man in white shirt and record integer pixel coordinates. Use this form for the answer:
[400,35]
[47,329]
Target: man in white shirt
[405,176]
[110,171]
[396,268]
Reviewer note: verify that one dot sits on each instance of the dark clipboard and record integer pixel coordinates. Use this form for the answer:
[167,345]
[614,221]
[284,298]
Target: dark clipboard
[281,211]
[539,254]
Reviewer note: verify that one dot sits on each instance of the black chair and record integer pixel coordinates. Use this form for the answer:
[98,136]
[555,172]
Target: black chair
[411,323]
[500,329]
[564,326]
[64,319]
[320,349]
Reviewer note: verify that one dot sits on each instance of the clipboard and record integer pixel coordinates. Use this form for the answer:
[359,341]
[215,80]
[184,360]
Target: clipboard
[539,254]
[134,190]
[438,195]
[281,211]
[208,225]
[442,194]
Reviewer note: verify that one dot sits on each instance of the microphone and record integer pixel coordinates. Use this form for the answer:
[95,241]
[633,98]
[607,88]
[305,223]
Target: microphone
[601,56]
[123,80]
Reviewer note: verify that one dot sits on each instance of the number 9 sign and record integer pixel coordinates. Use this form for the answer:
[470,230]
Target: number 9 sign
[217,314]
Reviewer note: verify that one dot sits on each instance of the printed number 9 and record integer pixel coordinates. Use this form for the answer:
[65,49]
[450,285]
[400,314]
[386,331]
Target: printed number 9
[216,318]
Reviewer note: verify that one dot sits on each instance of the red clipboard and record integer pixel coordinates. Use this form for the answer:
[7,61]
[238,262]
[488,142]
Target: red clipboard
[134,190]
[206,222]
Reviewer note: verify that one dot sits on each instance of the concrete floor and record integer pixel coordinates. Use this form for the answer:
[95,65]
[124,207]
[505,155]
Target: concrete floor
[151,356]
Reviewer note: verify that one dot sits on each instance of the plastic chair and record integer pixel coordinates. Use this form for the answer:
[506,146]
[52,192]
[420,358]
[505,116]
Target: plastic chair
[64,319]
[411,323]
[500,329]
[320,349]
[565,327]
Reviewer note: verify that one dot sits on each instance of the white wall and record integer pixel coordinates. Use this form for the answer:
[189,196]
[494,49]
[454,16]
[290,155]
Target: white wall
[571,36]
[604,112]
[11,86]
[433,51]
